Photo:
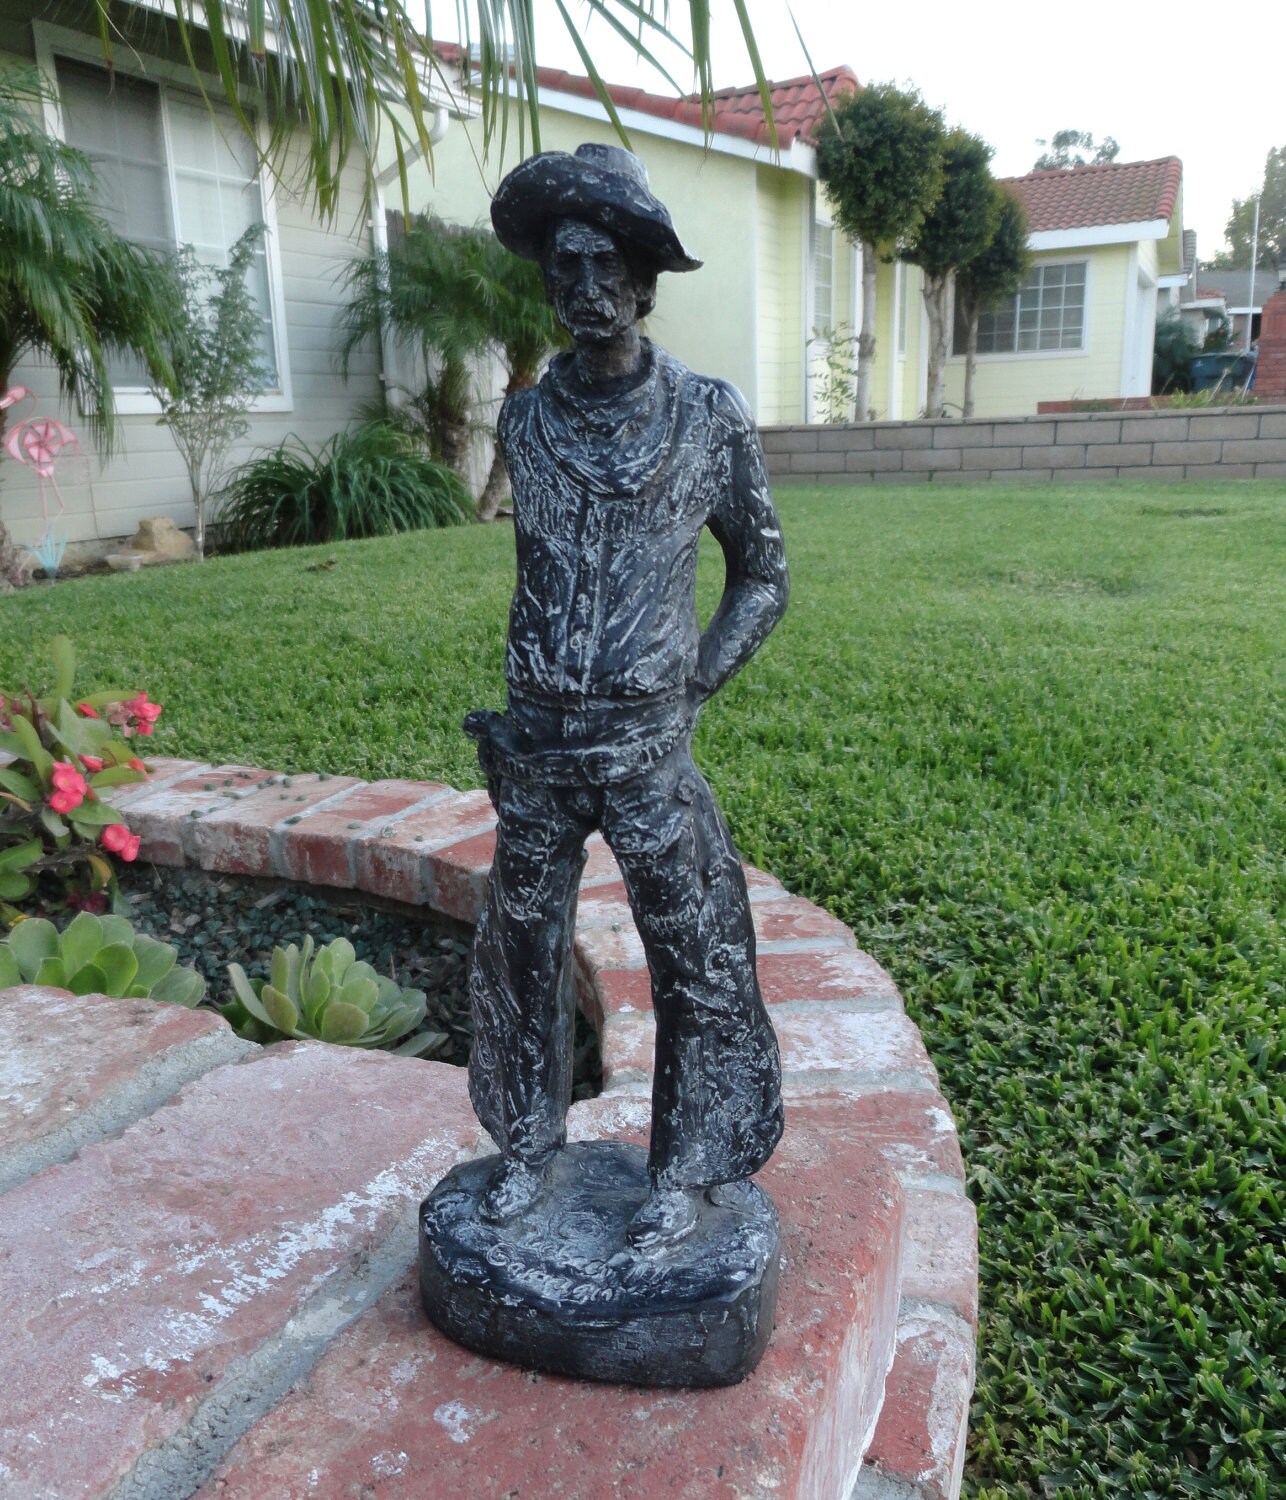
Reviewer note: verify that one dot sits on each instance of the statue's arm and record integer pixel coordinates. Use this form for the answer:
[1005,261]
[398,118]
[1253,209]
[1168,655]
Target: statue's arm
[744,521]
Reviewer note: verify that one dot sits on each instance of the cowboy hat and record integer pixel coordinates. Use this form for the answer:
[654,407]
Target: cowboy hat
[603,185]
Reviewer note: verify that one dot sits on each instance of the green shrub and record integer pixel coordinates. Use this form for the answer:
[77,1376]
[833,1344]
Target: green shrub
[97,956]
[368,481]
[1173,350]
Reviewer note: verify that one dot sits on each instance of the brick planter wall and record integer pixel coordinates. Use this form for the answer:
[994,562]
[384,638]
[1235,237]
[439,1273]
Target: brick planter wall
[207,1249]
[1201,443]
[1270,377]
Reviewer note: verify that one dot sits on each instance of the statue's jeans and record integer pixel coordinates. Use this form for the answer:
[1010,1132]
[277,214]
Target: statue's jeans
[716,1098]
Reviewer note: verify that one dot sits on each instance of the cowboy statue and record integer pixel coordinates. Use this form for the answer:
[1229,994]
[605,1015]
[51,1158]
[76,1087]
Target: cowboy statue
[618,460]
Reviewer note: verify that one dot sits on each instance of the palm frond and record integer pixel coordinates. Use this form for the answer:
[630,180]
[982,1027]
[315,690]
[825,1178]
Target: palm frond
[353,74]
[71,289]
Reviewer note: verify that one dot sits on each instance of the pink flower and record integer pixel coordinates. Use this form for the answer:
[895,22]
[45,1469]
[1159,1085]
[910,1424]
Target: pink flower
[115,836]
[134,715]
[137,765]
[70,787]
[91,763]
[85,709]
[66,778]
[145,712]
[119,840]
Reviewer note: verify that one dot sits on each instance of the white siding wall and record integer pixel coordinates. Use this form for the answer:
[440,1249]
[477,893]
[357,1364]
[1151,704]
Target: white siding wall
[107,499]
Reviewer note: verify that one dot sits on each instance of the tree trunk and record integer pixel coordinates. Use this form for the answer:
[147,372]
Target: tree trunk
[494,489]
[866,340]
[935,302]
[971,360]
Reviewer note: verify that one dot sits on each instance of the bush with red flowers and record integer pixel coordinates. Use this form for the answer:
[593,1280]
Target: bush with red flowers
[59,756]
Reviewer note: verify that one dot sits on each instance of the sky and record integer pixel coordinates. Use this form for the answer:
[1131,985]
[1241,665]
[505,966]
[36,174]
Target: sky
[1161,79]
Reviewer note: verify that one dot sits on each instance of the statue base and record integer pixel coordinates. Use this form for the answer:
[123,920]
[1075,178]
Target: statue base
[559,1289]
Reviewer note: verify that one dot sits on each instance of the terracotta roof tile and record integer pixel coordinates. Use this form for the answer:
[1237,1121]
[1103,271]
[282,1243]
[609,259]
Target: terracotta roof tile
[797,106]
[1115,193]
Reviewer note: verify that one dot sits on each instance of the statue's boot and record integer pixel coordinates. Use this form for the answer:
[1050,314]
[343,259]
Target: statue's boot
[668,1215]
[516,1187]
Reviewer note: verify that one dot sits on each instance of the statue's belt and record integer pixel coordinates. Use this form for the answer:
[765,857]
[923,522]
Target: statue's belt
[627,739]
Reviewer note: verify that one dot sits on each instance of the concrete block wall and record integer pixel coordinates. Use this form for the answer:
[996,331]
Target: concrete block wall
[207,1249]
[1247,442]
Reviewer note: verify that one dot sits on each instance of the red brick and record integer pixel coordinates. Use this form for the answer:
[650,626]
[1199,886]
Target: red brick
[321,848]
[622,989]
[65,1061]
[600,863]
[825,976]
[761,885]
[867,1048]
[163,818]
[237,839]
[605,948]
[609,893]
[455,878]
[162,771]
[822,1048]
[139,1274]
[395,1410]
[940,1252]
[393,864]
[920,1436]
[783,977]
[913,1128]
[794,920]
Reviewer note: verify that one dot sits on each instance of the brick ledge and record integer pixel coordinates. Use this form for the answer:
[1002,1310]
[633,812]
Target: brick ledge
[862,1099]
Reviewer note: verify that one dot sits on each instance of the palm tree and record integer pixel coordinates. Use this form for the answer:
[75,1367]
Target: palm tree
[523,331]
[453,295]
[292,52]
[72,291]
[424,292]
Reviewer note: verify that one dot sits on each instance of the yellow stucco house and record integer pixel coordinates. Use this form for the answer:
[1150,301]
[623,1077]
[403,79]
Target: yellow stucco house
[1106,241]
[1107,250]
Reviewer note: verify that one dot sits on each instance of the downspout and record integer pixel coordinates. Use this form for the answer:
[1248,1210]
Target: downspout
[379,235]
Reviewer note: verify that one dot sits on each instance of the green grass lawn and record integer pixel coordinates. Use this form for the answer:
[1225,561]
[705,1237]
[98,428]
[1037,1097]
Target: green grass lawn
[1031,745]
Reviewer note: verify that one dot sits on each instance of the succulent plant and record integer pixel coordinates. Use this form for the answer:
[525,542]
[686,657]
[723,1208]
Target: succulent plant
[97,956]
[329,995]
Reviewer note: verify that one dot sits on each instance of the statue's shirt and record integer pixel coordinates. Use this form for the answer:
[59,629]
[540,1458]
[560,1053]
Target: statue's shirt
[610,497]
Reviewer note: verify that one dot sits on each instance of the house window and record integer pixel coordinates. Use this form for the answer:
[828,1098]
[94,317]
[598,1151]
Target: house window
[823,276]
[1047,313]
[169,173]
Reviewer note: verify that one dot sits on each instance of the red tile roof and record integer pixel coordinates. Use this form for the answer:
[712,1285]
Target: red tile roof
[1129,192]
[797,105]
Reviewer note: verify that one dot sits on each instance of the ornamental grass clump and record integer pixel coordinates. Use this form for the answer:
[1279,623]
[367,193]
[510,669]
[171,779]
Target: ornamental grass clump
[57,832]
[369,481]
[327,994]
[97,956]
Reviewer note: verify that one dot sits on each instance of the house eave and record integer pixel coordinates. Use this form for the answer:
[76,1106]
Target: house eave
[1099,234]
[797,157]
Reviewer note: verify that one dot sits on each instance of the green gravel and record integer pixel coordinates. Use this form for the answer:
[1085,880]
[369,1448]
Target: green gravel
[1029,744]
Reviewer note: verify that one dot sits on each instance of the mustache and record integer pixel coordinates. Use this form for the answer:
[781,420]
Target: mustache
[602,307]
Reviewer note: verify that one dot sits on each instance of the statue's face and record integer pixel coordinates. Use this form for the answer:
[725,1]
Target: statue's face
[592,287]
